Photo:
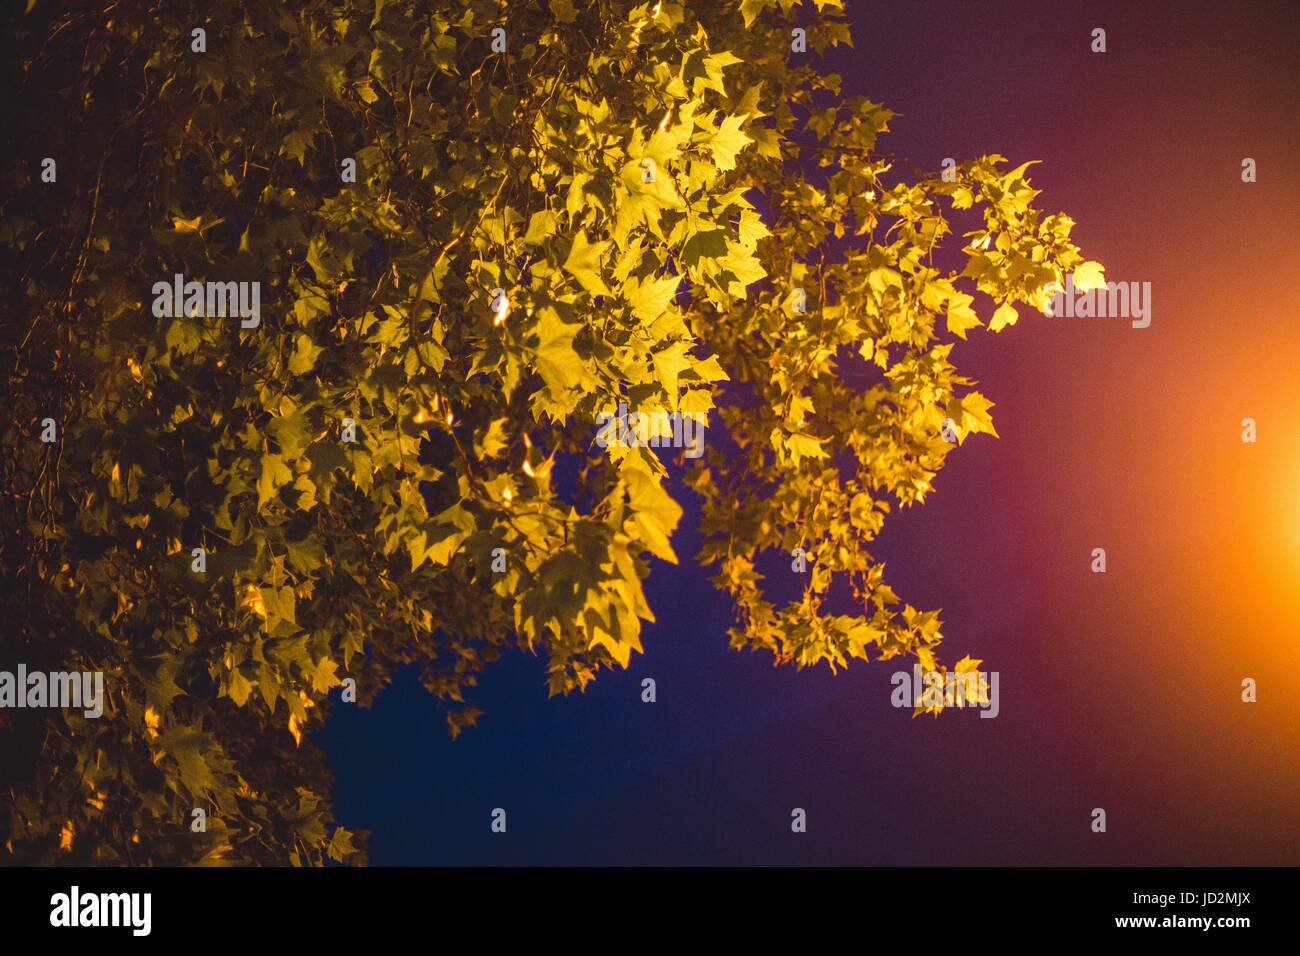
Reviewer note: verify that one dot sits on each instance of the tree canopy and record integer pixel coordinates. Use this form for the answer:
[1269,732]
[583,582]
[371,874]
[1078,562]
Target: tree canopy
[556,208]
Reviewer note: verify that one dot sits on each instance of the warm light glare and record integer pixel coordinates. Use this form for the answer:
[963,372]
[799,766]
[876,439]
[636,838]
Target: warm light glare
[503,310]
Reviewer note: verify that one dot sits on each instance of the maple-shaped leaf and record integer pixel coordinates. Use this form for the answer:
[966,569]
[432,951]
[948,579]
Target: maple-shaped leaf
[649,298]
[274,474]
[655,514]
[726,141]
[1089,275]
[583,263]
[961,317]
[1003,316]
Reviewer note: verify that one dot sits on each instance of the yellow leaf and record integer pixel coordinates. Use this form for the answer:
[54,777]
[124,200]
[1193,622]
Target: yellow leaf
[669,364]
[650,298]
[961,316]
[975,415]
[726,141]
[253,600]
[540,227]
[559,365]
[655,514]
[1090,275]
[583,264]
[194,225]
[621,651]
[800,445]
[1005,315]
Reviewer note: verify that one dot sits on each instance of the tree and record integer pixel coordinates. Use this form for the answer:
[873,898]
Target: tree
[474,228]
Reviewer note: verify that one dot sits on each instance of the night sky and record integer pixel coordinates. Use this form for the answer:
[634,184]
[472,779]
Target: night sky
[1120,690]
